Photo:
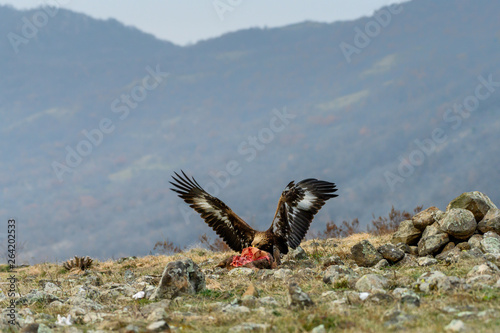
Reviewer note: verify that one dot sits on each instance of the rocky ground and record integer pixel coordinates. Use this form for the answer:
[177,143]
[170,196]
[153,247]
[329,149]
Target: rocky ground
[438,273]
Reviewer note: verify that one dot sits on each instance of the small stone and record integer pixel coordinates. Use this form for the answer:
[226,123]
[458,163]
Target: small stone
[381,264]
[319,329]
[332,260]
[459,223]
[476,202]
[365,254]
[30,328]
[297,254]
[484,269]
[448,247]
[432,244]
[268,301]
[408,261]
[391,252]
[283,273]
[491,234]
[406,233]
[336,272]
[250,327]
[235,309]
[371,282]
[490,245]
[490,222]
[475,241]
[241,271]
[403,247]
[456,325]
[425,218]
[157,315]
[51,288]
[424,261]
[158,326]
[464,246]
[181,276]
[296,297]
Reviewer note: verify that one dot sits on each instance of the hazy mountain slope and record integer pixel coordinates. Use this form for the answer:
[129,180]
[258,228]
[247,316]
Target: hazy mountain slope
[352,121]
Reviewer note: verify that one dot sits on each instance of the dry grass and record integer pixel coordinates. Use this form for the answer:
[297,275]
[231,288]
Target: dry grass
[202,312]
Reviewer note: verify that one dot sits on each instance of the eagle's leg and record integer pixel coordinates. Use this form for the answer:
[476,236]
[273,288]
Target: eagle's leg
[277,255]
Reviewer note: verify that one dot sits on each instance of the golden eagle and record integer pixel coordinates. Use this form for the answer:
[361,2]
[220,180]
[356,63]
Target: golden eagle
[296,208]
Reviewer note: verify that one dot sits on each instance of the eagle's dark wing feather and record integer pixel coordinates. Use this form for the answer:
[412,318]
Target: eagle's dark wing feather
[229,226]
[296,209]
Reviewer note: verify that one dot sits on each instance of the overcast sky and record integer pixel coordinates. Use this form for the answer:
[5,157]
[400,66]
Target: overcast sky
[188,21]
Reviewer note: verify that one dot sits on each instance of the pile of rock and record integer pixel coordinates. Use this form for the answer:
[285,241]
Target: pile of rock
[471,221]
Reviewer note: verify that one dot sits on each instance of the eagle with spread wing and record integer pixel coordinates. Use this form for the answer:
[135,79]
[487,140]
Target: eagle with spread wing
[296,209]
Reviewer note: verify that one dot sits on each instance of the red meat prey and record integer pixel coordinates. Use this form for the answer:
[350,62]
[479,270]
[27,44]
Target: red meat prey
[249,254]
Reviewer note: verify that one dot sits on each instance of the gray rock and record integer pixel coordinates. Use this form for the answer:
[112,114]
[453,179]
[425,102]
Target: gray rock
[484,269]
[85,303]
[382,264]
[459,223]
[425,261]
[51,288]
[235,309]
[298,298]
[394,318]
[425,218]
[371,282]
[491,234]
[475,241]
[456,325]
[268,301]
[490,245]
[42,328]
[319,329]
[449,256]
[365,254]
[332,260]
[403,247]
[463,246]
[250,327]
[476,202]
[37,296]
[241,271]
[297,254]
[409,260]
[406,233]
[432,230]
[432,244]
[158,326]
[436,280]
[336,272]
[407,297]
[283,273]
[391,252]
[181,276]
[490,222]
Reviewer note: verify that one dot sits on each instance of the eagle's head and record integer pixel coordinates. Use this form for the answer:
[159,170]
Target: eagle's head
[261,241]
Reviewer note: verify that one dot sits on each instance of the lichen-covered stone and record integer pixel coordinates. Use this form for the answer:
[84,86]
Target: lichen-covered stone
[425,218]
[432,244]
[179,277]
[391,253]
[371,282]
[476,202]
[459,223]
[406,233]
[490,222]
[298,298]
[365,254]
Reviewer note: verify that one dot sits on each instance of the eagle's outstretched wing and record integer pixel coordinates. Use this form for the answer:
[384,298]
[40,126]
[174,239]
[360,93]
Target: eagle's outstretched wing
[296,209]
[229,226]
